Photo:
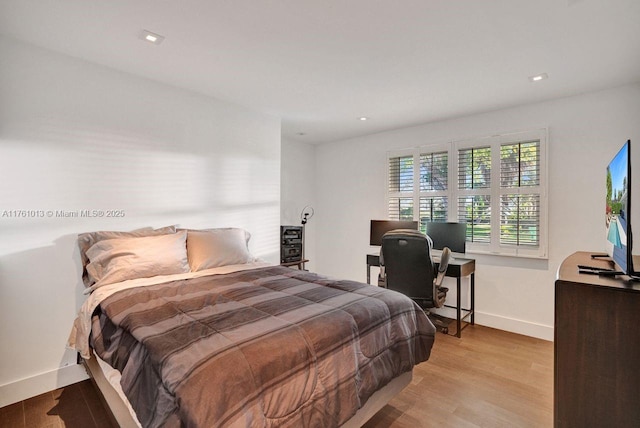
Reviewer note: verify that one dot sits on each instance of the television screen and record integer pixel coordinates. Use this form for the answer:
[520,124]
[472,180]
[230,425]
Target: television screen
[380,227]
[451,235]
[618,209]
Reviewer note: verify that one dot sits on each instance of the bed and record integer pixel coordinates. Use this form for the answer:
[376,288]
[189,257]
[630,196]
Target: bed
[186,328]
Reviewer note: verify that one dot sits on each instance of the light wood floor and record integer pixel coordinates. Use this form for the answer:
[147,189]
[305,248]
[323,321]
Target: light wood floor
[487,378]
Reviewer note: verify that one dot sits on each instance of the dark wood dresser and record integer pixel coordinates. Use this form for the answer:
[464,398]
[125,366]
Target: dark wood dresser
[597,347]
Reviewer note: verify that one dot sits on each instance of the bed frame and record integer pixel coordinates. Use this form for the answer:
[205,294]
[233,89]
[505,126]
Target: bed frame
[121,416]
[116,408]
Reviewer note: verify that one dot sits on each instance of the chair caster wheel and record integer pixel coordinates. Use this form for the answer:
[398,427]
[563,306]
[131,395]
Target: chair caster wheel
[445,330]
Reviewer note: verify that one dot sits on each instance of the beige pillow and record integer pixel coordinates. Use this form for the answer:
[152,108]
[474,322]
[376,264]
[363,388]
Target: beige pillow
[87,240]
[115,260]
[218,247]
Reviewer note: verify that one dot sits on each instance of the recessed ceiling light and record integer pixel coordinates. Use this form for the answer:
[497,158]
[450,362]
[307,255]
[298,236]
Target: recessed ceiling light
[538,77]
[363,118]
[150,37]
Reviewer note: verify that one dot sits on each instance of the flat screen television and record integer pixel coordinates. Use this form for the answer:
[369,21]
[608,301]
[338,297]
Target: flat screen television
[619,241]
[380,227]
[451,235]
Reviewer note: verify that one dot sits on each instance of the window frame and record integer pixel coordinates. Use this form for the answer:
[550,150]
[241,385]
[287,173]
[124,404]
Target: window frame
[495,191]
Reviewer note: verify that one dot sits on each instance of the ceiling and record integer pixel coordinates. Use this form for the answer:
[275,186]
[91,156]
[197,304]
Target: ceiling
[319,65]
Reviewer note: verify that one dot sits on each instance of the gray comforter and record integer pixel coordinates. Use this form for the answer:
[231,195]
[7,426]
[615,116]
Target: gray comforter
[264,347]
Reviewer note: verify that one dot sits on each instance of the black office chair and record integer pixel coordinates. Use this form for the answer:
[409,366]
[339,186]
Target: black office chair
[406,267]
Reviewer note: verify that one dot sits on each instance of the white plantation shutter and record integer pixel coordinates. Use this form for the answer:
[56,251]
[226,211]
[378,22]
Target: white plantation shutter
[520,194]
[418,186]
[520,220]
[401,180]
[474,190]
[496,185]
[401,174]
[476,212]
[434,186]
[432,209]
[520,164]
[434,171]
[401,208]
[474,168]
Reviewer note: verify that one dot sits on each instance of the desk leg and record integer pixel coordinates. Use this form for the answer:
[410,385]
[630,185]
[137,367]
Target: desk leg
[368,274]
[458,307]
[473,296]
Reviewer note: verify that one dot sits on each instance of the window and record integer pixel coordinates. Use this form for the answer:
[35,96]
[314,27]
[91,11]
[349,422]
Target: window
[499,190]
[425,187]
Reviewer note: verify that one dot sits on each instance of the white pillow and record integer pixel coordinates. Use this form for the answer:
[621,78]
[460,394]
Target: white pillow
[87,240]
[218,247]
[115,260]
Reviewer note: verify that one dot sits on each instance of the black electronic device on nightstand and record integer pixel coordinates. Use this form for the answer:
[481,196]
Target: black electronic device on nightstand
[290,244]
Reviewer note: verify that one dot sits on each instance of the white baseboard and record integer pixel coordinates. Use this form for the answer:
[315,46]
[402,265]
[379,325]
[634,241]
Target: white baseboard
[526,328]
[30,387]
[513,325]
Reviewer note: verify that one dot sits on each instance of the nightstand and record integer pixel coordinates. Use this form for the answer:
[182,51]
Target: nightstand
[299,263]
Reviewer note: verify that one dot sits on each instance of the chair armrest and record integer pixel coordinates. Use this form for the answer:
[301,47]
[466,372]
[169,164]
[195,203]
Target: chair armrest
[442,267]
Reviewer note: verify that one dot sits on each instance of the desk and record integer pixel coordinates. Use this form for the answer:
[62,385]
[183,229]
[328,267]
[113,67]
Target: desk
[458,267]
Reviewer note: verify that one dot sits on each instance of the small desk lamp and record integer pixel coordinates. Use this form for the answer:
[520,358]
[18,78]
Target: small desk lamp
[305,215]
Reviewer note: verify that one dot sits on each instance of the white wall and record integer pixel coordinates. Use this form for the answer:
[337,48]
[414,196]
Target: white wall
[76,136]
[297,190]
[585,132]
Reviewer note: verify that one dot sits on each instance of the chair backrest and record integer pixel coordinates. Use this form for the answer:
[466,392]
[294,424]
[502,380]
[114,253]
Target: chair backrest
[408,265]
